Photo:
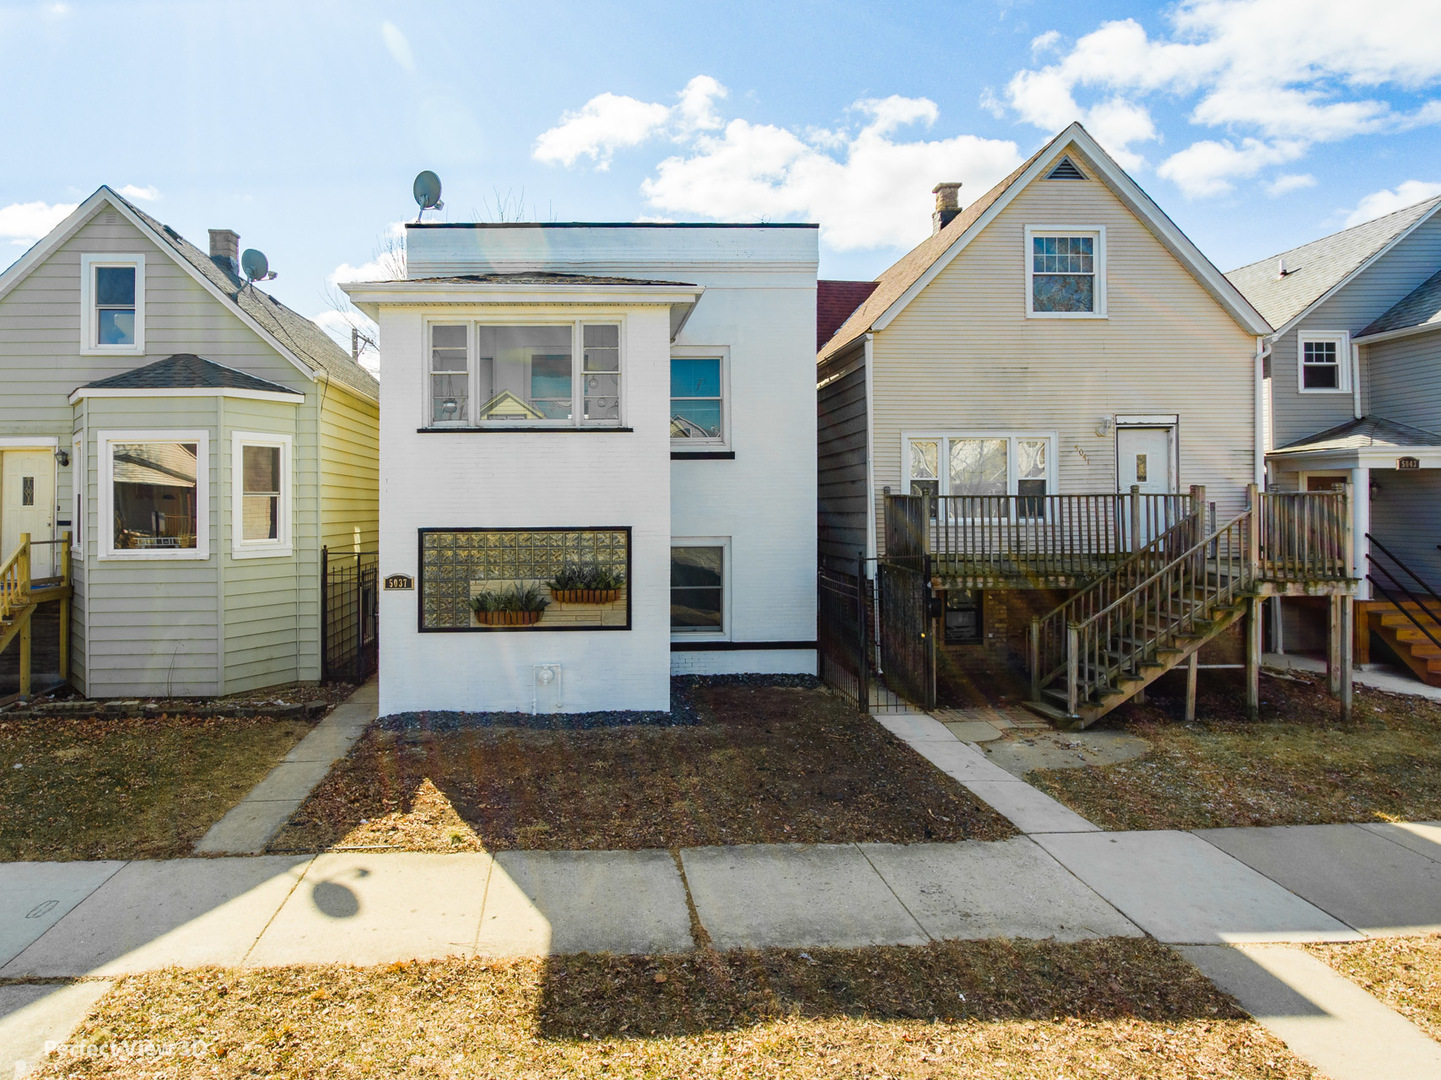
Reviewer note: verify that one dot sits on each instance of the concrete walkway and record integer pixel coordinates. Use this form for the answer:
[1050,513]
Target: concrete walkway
[251,823]
[1376,676]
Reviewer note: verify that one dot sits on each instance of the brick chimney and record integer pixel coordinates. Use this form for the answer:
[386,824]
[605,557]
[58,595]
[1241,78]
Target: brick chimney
[225,249]
[948,204]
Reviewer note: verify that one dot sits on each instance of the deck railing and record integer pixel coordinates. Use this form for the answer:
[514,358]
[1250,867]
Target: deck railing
[1304,535]
[15,579]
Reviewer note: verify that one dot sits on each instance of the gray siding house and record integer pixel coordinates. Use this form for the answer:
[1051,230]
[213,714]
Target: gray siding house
[1353,381]
[199,440]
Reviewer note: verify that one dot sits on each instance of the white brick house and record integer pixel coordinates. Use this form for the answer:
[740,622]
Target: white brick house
[634,398]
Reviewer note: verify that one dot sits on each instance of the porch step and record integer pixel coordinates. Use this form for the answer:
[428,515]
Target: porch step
[1416,650]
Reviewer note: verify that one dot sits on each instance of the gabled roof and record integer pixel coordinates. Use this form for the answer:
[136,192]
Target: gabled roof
[186,371]
[914,271]
[1418,310]
[1367,433]
[1316,270]
[310,349]
[835,300]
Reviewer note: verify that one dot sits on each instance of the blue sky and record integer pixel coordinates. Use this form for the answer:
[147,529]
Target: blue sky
[1256,124]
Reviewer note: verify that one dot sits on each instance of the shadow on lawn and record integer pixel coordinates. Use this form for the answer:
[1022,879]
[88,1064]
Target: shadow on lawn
[992,980]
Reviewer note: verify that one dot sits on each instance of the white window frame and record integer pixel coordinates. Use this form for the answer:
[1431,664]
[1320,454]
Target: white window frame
[1098,233]
[284,544]
[79,482]
[105,536]
[577,372]
[943,456]
[695,352]
[89,325]
[1342,341]
[724,633]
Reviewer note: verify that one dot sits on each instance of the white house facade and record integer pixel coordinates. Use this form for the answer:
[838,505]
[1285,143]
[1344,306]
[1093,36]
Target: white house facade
[629,405]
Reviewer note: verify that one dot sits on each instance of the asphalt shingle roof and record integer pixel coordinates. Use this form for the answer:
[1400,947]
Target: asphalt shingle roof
[1364,434]
[310,344]
[835,300]
[186,371]
[1420,307]
[1313,269]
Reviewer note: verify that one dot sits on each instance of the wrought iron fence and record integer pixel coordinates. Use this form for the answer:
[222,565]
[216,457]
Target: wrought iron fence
[349,603]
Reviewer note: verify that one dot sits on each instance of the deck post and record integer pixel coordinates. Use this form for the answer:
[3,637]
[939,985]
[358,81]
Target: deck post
[1035,658]
[1073,666]
[1191,687]
[1253,658]
[1198,507]
[1136,544]
[1346,607]
[26,624]
[1335,647]
[1253,531]
[65,607]
[1355,527]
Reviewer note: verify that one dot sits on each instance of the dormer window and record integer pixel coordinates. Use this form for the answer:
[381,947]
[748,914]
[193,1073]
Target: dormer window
[1066,273]
[112,293]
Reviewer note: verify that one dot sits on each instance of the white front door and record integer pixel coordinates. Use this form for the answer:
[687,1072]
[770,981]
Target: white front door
[27,504]
[1143,458]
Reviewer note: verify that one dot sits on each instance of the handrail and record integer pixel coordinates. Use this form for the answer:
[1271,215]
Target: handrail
[15,579]
[1408,595]
[1411,573]
[1400,604]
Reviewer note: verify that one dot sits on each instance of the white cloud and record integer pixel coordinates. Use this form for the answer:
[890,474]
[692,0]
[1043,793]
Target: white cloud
[1207,167]
[1289,182]
[397,45]
[610,122]
[144,194]
[1273,73]
[1388,201]
[866,188]
[24,223]
[1045,42]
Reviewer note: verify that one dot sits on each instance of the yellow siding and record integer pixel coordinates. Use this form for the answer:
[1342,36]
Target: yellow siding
[963,356]
[349,471]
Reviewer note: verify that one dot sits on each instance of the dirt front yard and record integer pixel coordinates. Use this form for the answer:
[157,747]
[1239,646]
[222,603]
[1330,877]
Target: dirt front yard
[749,765]
[985,1010]
[1299,765]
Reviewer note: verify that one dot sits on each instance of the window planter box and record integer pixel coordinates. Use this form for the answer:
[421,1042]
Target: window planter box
[507,618]
[585,596]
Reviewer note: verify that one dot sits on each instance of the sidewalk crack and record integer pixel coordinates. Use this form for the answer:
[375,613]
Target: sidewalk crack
[904,907]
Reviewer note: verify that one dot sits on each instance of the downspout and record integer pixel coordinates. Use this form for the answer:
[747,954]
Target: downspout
[1259,449]
[1355,380]
[870,449]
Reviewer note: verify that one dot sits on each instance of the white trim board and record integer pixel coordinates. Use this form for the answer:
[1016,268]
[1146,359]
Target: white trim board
[289,397]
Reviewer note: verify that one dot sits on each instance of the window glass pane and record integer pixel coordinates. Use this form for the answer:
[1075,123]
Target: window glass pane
[1321,377]
[602,396]
[1031,459]
[923,460]
[447,348]
[261,469]
[602,347]
[115,285]
[116,326]
[260,500]
[1063,292]
[978,466]
[154,495]
[525,372]
[692,378]
[261,517]
[696,580]
[695,419]
[448,397]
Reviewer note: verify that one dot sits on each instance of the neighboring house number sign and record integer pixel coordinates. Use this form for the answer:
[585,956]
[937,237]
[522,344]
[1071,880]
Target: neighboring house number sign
[400,581]
[1408,463]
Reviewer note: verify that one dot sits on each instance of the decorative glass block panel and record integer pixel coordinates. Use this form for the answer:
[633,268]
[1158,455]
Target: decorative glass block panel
[459,565]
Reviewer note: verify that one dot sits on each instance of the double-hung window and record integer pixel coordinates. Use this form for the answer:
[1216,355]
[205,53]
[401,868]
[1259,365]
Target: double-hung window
[1065,273]
[551,375]
[697,587]
[112,296]
[1324,363]
[153,495]
[697,400]
[260,485]
[976,471]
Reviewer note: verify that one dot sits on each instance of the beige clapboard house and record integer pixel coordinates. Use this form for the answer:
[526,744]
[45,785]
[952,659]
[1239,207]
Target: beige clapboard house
[197,441]
[1026,406]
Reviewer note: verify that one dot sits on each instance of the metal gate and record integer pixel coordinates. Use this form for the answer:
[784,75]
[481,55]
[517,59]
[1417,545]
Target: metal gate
[842,638]
[349,597]
[907,645]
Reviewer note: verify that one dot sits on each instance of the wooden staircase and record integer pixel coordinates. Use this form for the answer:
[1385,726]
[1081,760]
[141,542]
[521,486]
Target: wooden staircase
[1408,616]
[21,595]
[1156,610]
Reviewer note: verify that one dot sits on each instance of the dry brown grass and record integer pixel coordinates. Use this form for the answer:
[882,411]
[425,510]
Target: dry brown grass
[1121,1009]
[128,788]
[1299,765]
[1404,972]
[765,765]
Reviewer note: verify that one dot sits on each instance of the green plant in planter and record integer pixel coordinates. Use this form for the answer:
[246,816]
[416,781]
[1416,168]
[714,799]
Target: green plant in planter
[587,576]
[515,598]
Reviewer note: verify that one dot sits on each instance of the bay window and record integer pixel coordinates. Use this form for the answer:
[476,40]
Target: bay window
[548,375]
[260,486]
[153,495]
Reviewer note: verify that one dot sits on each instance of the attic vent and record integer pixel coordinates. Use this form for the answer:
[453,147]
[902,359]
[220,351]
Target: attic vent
[110,219]
[1065,170]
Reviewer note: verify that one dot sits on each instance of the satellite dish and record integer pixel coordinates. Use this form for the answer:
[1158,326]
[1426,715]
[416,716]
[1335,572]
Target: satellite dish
[427,192]
[255,265]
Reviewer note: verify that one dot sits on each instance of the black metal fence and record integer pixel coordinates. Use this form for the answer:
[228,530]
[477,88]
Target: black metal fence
[842,632]
[907,644]
[349,599]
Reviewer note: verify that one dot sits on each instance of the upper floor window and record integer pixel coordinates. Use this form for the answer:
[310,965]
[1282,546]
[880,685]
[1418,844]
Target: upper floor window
[112,296]
[560,374]
[697,408]
[1065,273]
[1324,362]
